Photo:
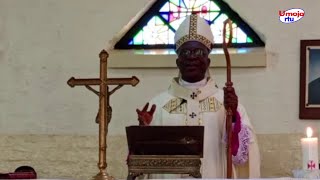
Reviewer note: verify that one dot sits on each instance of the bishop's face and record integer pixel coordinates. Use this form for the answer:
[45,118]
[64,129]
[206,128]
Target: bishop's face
[193,61]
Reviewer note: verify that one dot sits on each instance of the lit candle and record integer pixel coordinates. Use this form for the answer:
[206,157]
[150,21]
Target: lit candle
[310,151]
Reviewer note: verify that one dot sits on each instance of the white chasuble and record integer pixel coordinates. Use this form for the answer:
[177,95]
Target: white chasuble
[204,106]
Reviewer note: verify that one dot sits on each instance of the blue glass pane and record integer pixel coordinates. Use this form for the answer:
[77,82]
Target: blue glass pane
[165,16]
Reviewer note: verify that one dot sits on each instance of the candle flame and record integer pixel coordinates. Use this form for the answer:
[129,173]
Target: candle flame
[309,132]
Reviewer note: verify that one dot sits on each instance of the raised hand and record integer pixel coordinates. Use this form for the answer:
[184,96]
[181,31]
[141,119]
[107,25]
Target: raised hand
[231,101]
[145,116]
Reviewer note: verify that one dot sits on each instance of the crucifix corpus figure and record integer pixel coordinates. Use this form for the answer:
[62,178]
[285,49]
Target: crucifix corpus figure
[105,111]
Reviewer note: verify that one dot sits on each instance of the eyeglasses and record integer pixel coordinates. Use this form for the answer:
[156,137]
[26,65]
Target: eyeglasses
[197,53]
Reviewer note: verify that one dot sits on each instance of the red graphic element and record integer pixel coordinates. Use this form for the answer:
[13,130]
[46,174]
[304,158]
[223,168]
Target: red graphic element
[204,10]
[311,165]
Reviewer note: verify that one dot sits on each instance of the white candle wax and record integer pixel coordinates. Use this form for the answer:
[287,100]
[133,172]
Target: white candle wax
[309,145]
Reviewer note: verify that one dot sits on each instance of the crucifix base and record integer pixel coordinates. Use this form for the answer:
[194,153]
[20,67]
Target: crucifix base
[103,176]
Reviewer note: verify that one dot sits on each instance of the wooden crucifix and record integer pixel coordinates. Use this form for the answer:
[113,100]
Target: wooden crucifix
[104,114]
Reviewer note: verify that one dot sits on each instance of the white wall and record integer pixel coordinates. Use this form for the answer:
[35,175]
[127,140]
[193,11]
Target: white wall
[45,42]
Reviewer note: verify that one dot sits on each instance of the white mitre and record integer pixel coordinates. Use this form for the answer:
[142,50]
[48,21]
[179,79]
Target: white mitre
[194,28]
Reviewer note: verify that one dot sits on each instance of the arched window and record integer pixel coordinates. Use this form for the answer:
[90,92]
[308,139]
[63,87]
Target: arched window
[156,28]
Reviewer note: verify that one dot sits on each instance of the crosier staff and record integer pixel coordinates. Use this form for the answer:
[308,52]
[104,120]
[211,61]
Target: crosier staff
[228,86]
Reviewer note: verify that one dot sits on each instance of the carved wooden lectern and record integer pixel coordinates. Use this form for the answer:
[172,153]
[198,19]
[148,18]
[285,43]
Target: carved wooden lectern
[164,150]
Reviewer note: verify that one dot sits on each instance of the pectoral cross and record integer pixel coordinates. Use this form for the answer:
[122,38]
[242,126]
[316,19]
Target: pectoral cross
[104,114]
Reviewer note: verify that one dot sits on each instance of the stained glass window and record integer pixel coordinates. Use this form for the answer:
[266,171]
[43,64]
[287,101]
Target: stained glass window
[157,27]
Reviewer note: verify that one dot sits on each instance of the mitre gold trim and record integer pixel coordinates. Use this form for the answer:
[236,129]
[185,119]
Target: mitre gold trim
[193,36]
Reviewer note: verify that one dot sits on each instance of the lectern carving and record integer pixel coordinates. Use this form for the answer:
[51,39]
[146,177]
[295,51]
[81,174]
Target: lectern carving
[164,150]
